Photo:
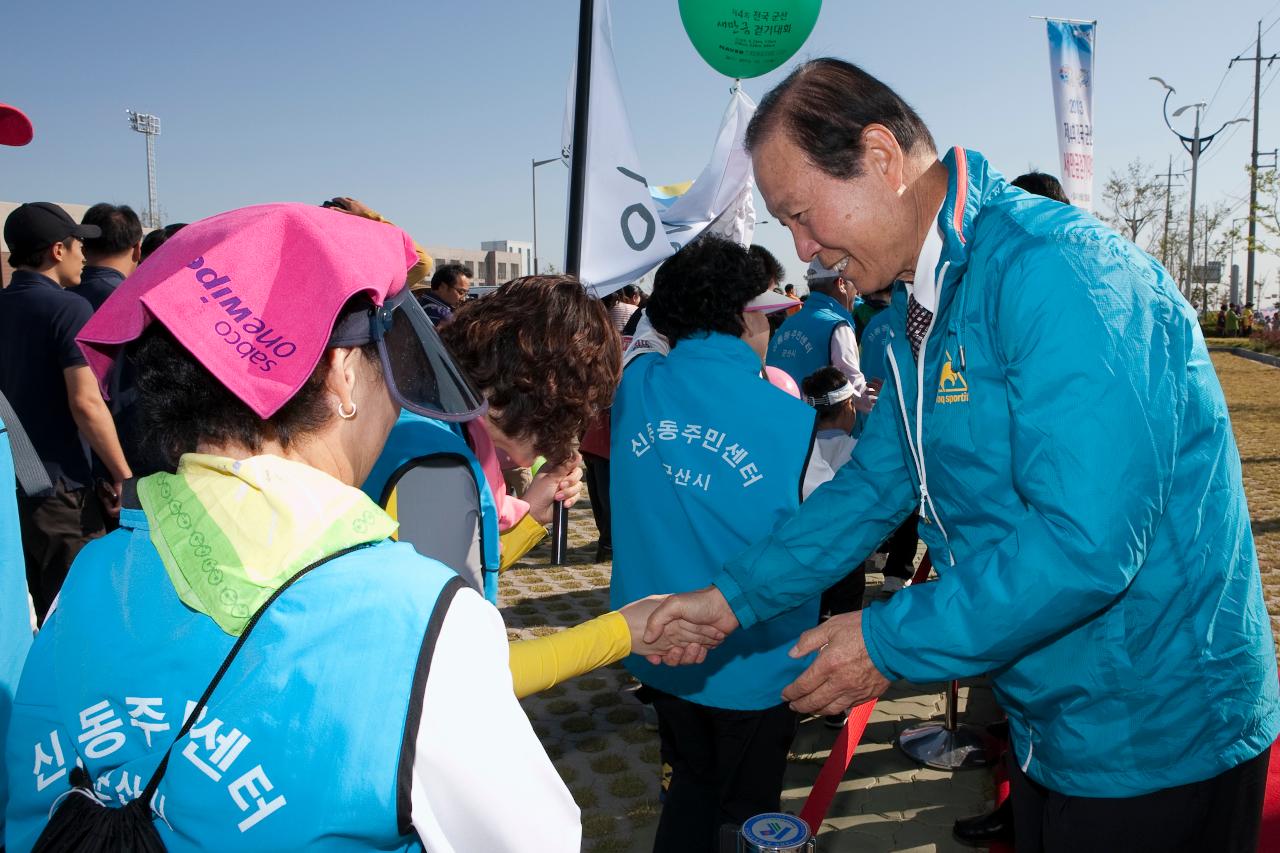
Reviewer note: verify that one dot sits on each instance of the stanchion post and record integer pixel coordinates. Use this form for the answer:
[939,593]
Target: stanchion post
[577,197]
[947,744]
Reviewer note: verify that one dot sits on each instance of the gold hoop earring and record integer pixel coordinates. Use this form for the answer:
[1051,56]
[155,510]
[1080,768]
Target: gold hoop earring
[344,414]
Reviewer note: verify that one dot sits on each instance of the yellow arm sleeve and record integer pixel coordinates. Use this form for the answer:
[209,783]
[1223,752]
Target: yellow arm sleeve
[517,541]
[545,661]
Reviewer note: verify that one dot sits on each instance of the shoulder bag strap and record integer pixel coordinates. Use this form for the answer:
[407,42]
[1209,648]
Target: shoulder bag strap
[32,476]
[149,792]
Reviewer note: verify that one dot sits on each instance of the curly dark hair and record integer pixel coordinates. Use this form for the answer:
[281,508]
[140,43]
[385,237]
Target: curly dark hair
[703,288]
[181,403]
[770,268]
[545,355]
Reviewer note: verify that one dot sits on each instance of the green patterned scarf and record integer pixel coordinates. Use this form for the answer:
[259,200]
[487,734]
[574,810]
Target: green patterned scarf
[230,532]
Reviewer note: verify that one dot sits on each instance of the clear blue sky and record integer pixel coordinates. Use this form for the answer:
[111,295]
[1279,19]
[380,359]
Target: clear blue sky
[430,110]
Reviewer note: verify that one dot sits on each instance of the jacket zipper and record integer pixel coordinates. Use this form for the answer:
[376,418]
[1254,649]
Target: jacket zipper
[917,447]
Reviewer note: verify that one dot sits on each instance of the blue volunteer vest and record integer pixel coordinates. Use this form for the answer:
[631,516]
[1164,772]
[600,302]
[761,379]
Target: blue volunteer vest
[875,360]
[308,741]
[802,343]
[15,612]
[416,442]
[705,457]
[874,350]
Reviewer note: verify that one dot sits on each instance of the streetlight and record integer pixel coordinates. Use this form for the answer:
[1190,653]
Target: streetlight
[533,174]
[1195,145]
[149,126]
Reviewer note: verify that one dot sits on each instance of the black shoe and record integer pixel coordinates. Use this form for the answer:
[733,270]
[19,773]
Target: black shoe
[982,830]
[604,553]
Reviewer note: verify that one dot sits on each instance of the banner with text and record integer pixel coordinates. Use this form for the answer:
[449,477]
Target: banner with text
[1071,64]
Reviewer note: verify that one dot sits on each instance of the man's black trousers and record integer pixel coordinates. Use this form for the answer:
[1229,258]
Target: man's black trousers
[1218,815]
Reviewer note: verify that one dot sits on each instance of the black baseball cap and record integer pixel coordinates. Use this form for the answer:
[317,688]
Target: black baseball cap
[38,224]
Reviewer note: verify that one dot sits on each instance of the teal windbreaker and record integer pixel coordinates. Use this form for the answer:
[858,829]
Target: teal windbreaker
[1067,443]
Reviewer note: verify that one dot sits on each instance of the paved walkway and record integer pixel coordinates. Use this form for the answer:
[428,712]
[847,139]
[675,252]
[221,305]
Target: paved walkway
[596,734]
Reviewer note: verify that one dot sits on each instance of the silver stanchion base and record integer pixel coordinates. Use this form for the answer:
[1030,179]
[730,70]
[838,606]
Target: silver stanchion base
[933,745]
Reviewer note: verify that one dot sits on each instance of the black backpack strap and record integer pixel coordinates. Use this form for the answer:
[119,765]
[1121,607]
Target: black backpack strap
[32,476]
[149,792]
[413,719]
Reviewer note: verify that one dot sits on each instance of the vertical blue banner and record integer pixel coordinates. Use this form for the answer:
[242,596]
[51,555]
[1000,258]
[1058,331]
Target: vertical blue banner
[1071,66]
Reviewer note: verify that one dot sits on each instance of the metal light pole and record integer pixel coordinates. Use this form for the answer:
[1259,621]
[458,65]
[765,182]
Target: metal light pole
[1195,145]
[149,126]
[533,174]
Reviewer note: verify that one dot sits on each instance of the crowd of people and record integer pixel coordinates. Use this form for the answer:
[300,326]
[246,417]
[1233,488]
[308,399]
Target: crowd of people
[288,457]
[1236,321]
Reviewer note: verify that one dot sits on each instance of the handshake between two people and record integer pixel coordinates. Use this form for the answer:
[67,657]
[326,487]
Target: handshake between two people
[681,629]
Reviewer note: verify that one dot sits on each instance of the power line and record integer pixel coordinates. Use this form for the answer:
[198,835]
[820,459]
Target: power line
[1230,133]
[1223,79]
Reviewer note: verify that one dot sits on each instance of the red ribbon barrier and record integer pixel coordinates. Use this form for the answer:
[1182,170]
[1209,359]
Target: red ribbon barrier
[922,572]
[833,769]
[837,763]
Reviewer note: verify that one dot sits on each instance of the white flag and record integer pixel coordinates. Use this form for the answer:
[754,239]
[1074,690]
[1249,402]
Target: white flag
[1071,64]
[725,184]
[625,231]
[621,232]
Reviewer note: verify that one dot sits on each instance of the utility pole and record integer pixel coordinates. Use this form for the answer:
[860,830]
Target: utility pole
[533,171]
[1256,59]
[1168,213]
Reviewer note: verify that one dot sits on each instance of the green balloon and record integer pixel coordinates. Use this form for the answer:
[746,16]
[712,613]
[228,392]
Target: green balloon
[747,38]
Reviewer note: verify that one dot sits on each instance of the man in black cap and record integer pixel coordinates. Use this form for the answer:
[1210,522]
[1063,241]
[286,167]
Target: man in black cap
[44,376]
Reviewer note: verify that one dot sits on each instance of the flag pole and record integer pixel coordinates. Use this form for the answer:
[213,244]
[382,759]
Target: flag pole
[577,196]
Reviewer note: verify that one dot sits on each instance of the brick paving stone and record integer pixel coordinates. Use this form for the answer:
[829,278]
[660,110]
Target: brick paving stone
[595,720]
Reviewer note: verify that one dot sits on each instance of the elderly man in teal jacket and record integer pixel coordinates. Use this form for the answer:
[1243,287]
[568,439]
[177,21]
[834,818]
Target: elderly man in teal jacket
[1052,413]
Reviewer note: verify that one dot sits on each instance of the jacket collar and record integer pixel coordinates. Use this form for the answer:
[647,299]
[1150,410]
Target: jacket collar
[104,273]
[970,184]
[30,278]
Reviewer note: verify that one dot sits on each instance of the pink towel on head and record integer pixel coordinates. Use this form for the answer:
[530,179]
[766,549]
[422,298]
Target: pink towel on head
[253,294]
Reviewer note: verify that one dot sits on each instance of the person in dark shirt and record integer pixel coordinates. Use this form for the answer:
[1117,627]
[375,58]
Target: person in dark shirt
[450,284]
[45,378]
[1039,183]
[112,255]
[156,238]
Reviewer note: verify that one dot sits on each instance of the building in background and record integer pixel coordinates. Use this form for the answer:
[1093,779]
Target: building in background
[525,250]
[495,262]
[488,267]
[76,211]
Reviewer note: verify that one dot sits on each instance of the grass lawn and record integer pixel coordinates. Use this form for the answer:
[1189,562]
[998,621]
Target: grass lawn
[1253,396]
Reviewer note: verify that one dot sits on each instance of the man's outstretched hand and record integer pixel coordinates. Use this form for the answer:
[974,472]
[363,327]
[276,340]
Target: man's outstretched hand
[705,607]
[842,676]
[681,643]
